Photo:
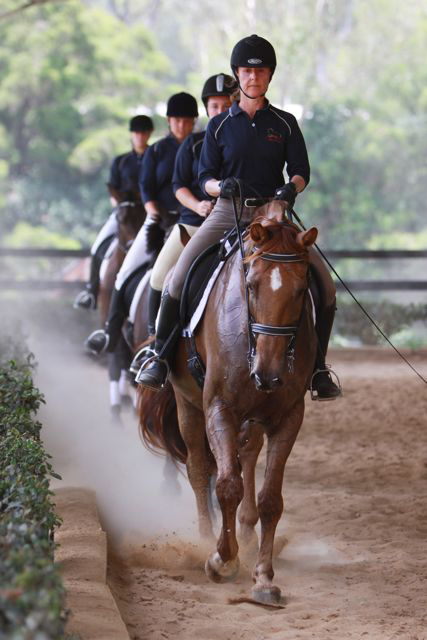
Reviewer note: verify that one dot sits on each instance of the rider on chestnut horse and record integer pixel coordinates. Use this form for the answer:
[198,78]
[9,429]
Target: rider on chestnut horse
[194,205]
[251,141]
[123,178]
[155,182]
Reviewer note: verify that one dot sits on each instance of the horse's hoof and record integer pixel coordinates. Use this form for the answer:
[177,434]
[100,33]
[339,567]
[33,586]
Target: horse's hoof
[219,571]
[266,595]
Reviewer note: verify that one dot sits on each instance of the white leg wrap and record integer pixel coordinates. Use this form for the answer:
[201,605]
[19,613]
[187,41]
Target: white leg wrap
[114,393]
[124,384]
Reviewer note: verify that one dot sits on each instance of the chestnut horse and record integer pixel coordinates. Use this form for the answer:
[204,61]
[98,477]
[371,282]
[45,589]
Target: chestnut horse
[257,340]
[130,217]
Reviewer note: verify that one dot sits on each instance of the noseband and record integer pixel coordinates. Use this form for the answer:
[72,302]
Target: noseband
[271,330]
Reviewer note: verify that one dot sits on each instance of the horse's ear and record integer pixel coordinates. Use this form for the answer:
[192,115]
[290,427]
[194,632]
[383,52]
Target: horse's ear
[184,235]
[259,233]
[307,238]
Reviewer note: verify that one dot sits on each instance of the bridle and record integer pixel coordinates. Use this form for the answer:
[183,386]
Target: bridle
[255,328]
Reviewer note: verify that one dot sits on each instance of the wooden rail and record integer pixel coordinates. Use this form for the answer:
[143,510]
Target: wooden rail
[333,254]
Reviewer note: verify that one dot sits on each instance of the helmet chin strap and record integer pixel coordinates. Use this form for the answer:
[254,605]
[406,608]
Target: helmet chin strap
[248,96]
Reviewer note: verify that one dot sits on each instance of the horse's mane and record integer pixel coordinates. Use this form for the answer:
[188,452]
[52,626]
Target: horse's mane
[280,238]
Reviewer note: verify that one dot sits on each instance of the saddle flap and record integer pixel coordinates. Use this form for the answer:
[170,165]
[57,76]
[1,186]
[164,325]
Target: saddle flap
[200,274]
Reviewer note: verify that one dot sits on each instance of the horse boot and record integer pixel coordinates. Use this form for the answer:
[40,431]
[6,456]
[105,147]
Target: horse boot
[106,339]
[154,372]
[147,352]
[322,385]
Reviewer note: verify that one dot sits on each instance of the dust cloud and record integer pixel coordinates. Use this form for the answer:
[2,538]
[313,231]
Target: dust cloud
[137,494]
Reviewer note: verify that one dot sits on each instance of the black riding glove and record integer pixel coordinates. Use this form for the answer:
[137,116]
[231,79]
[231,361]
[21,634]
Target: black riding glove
[287,193]
[229,188]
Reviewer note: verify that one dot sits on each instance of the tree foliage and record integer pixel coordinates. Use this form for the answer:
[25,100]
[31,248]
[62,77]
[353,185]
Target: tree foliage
[354,69]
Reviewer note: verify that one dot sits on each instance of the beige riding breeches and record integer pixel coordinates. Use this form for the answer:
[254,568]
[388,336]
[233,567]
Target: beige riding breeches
[169,255]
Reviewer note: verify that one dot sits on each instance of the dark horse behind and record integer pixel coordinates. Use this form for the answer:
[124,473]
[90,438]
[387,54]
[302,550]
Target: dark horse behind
[257,340]
[130,214]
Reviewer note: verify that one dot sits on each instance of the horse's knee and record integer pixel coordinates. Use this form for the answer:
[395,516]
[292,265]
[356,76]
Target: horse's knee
[229,489]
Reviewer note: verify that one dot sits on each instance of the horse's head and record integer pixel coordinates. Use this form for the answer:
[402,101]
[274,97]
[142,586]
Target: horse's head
[277,283]
[130,214]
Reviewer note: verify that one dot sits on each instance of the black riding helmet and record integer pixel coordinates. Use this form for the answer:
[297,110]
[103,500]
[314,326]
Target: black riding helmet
[182,105]
[220,84]
[253,51]
[141,124]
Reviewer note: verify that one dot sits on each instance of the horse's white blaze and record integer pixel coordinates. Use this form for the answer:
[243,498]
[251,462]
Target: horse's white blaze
[275,279]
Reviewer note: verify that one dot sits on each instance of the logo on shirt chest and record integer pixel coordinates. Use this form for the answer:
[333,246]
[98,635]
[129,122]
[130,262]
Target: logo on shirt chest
[274,136]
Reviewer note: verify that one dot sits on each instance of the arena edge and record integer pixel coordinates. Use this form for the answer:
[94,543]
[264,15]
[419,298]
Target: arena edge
[31,592]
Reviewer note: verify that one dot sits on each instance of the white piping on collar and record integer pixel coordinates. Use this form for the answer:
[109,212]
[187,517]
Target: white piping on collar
[222,122]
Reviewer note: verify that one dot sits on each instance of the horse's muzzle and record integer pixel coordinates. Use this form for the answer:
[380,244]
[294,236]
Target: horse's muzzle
[266,383]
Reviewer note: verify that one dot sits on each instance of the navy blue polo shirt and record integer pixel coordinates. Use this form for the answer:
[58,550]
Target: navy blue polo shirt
[124,172]
[186,175]
[255,151]
[155,178]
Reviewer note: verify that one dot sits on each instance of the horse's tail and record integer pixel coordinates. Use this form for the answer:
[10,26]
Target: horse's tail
[158,422]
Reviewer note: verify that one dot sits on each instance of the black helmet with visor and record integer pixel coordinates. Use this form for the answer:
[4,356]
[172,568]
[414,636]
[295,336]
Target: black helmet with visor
[253,51]
[220,84]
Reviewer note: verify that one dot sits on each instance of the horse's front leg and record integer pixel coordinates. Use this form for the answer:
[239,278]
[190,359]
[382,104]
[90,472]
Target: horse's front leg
[222,429]
[270,503]
[251,439]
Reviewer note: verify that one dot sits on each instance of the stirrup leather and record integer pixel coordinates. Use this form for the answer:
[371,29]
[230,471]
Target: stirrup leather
[145,365]
[140,357]
[313,392]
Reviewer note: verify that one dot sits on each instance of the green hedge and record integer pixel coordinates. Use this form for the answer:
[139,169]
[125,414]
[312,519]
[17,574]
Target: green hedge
[31,591]
[393,318]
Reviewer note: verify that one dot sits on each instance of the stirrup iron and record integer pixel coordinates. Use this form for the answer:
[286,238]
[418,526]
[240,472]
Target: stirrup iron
[140,357]
[314,394]
[145,365]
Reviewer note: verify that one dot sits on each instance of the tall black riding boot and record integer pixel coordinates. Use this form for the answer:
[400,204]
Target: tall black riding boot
[154,298]
[146,352]
[322,385]
[87,299]
[106,339]
[154,373]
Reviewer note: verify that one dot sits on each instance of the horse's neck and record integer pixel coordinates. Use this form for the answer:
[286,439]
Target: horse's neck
[232,278]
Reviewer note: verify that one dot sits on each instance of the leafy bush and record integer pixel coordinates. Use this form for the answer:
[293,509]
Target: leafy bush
[31,592]
[351,322]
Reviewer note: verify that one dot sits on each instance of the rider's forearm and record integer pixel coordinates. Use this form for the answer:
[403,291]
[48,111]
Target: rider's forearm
[299,183]
[152,209]
[212,187]
[187,199]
